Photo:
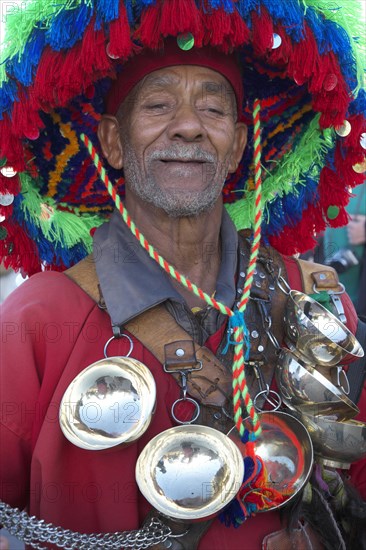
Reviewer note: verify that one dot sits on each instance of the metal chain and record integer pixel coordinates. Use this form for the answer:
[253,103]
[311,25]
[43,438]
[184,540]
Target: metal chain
[33,531]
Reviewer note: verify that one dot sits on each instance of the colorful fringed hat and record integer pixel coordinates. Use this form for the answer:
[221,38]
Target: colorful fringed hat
[303,59]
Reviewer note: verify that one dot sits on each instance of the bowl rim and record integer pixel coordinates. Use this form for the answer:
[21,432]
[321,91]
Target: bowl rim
[313,371]
[332,457]
[211,509]
[310,455]
[132,369]
[356,344]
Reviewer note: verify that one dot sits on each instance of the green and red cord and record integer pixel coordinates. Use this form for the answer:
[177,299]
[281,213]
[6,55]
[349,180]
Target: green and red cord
[240,388]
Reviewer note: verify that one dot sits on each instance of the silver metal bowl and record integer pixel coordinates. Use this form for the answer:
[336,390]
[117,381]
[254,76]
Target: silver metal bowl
[316,335]
[304,388]
[337,444]
[108,403]
[286,450]
[190,472]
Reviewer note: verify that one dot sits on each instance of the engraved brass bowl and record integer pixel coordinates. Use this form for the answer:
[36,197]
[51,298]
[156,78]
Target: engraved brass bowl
[110,402]
[337,444]
[286,450]
[190,472]
[304,388]
[316,335]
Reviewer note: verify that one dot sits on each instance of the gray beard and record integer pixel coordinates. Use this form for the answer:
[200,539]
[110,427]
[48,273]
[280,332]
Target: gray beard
[176,204]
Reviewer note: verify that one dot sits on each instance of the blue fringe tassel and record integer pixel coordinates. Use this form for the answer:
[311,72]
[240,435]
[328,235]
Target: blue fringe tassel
[359,104]
[8,94]
[24,68]
[235,321]
[233,515]
[245,7]
[317,24]
[288,210]
[226,5]
[332,37]
[68,27]
[130,5]
[146,3]
[107,10]
[290,14]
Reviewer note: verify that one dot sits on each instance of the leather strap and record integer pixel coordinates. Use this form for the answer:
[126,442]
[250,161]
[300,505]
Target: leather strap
[156,328]
[318,277]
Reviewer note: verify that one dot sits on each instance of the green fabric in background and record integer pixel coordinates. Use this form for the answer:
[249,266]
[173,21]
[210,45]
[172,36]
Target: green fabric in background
[336,238]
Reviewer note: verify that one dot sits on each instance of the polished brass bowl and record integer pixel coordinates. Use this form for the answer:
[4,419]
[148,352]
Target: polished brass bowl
[336,444]
[316,335]
[286,450]
[304,388]
[108,403]
[190,472]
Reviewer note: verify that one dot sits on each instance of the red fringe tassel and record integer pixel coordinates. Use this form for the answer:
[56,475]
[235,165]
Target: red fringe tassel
[179,17]
[225,30]
[262,32]
[26,121]
[10,146]
[94,59]
[304,58]
[9,185]
[18,250]
[120,44]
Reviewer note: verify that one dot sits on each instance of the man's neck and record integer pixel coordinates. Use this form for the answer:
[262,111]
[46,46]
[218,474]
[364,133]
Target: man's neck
[191,245]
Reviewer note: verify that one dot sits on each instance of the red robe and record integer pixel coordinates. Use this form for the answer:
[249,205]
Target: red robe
[51,330]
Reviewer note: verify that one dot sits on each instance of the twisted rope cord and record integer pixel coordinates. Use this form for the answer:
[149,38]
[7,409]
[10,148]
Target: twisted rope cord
[240,388]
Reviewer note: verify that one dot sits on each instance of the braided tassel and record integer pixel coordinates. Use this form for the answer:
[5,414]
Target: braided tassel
[240,388]
[184,281]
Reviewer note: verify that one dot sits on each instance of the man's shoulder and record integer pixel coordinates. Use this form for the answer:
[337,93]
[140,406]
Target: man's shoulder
[48,291]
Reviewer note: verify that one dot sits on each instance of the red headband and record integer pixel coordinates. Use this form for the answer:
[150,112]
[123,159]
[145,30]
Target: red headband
[149,61]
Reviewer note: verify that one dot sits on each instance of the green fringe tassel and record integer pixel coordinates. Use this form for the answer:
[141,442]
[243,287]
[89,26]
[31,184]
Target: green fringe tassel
[64,228]
[21,21]
[308,155]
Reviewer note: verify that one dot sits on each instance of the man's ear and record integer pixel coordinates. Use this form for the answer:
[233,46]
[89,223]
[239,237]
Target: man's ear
[240,141]
[110,141]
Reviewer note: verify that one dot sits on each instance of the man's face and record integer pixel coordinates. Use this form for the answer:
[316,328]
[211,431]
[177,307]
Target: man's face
[180,139]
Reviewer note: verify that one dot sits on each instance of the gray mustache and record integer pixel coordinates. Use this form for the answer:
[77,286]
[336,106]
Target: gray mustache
[185,154]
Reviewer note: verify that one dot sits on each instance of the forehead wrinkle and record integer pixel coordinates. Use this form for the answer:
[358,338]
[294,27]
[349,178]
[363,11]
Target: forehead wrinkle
[159,80]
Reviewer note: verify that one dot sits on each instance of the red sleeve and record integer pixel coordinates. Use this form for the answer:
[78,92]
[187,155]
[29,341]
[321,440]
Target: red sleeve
[19,392]
[31,336]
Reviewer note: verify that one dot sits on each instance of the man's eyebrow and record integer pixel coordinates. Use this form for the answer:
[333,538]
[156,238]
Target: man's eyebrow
[159,81]
[218,88]
[223,90]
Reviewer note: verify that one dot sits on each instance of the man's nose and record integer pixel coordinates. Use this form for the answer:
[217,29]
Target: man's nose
[186,124]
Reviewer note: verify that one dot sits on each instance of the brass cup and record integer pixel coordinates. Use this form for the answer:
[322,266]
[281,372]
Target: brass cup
[109,403]
[304,388]
[315,335]
[337,444]
[286,450]
[190,472]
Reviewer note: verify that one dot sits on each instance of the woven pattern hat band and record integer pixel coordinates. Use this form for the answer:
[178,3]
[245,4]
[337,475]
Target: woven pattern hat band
[171,55]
